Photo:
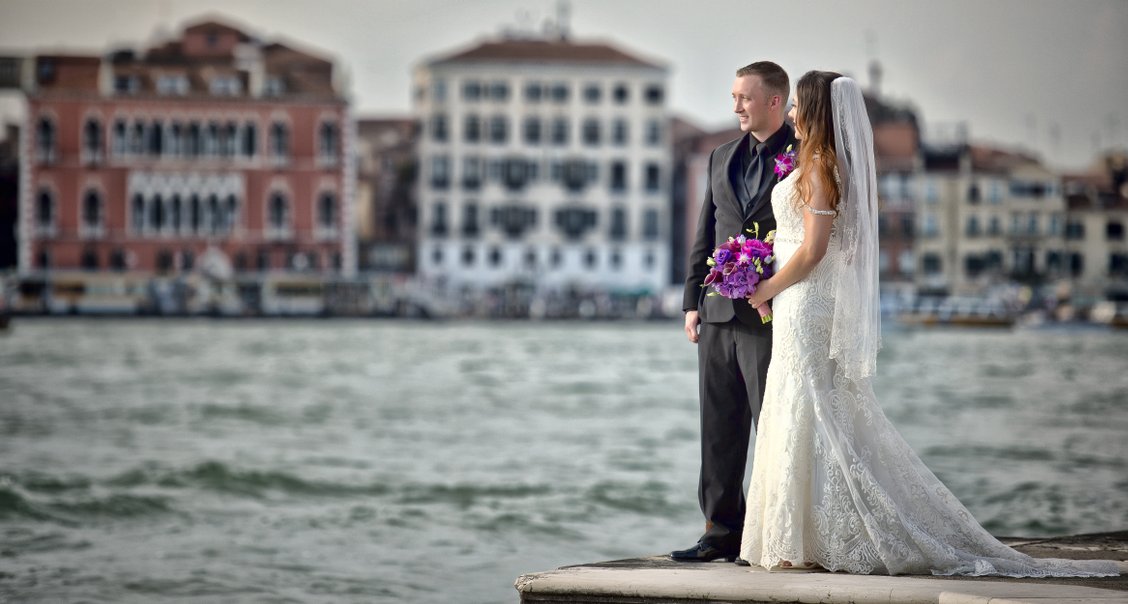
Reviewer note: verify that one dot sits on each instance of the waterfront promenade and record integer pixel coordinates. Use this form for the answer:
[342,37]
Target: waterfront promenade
[657,579]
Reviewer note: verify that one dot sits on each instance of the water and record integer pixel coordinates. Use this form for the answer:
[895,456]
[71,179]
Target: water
[336,461]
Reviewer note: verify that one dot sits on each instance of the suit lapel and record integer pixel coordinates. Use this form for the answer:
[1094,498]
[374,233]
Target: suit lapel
[767,197]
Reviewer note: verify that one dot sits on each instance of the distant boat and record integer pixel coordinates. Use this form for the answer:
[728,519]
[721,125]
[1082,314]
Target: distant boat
[959,311]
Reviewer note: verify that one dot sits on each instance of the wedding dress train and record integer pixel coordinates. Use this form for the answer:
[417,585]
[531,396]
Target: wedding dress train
[833,482]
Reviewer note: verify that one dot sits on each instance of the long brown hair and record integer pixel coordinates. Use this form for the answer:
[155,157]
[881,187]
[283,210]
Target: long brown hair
[815,122]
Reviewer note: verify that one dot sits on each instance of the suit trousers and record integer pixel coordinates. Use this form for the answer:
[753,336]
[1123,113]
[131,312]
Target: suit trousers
[733,363]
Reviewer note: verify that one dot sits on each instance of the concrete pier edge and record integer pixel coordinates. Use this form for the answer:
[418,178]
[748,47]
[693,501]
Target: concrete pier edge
[658,580]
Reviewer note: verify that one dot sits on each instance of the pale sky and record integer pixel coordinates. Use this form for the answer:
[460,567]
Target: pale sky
[1015,70]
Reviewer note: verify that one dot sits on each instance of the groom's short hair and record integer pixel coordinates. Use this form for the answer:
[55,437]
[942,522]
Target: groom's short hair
[773,76]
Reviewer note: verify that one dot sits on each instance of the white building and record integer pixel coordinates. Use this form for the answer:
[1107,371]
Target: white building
[544,162]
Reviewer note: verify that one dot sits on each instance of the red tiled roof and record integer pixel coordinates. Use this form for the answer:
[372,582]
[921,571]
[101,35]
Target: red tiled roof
[544,51]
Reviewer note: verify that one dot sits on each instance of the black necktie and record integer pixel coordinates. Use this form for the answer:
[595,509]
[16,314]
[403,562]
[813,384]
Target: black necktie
[754,174]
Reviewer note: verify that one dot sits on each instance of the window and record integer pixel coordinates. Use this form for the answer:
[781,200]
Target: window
[622,94]
[176,139]
[1118,265]
[230,214]
[618,224]
[117,259]
[215,215]
[654,94]
[560,131]
[195,214]
[532,130]
[499,129]
[471,90]
[468,256]
[45,212]
[440,171]
[495,256]
[175,213]
[618,176]
[591,131]
[45,139]
[211,140]
[193,144]
[650,224]
[278,213]
[327,212]
[229,140]
[225,85]
[619,132]
[973,226]
[176,84]
[973,193]
[89,260]
[471,129]
[329,142]
[188,260]
[156,139]
[120,141]
[471,172]
[92,211]
[590,258]
[653,178]
[126,84]
[592,93]
[1076,264]
[439,219]
[280,142]
[1074,230]
[907,226]
[1114,231]
[560,92]
[574,222]
[533,92]
[438,91]
[470,219]
[653,132]
[499,91]
[92,140]
[994,226]
[275,86]
[156,214]
[137,214]
[439,128]
[930,264]
[250,140]
[931,227]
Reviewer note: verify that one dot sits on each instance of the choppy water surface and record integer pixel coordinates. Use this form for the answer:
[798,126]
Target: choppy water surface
[332,461]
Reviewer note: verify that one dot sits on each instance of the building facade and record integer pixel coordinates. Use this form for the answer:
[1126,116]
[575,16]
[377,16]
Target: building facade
[544,161]
[214,144]
[386,210]
[986,217]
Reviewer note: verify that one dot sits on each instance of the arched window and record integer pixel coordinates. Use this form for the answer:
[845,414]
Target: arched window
[192,144]
[89,260]
[278,213]
[328,142]
[157,214]
[45,139]
[176,213]
[231,214]
[279,141]
[176,140]
[137,139]
[327,211]
[250,139]
[137,213]
[120,142]
[45,210]
[195,214]
[156,139]
[215,218]
[230,139]
[92,139]
[211,139]
[92,210]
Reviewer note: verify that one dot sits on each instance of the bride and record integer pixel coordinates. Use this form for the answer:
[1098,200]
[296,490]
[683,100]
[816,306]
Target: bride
[834,485]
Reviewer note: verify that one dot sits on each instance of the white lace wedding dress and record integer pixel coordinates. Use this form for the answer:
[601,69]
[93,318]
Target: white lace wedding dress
[833,482]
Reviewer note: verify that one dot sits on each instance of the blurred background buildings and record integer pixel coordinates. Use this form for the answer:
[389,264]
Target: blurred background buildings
[538,174]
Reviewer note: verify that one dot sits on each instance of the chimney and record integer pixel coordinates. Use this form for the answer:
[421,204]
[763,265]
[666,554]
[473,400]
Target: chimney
[875,78]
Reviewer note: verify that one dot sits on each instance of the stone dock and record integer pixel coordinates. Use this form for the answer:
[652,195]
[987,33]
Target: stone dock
[659,580]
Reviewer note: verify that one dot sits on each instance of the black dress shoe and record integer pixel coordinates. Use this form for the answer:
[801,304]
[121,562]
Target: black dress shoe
[703,552]
[742,562]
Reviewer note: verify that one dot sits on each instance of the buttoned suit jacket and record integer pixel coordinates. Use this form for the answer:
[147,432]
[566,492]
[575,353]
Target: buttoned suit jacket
[722,216]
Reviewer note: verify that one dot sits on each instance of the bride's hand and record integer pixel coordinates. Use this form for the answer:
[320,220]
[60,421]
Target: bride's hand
[760,296]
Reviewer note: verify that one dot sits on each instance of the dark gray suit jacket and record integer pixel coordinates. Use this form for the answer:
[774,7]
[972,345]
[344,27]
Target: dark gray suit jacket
[723,216]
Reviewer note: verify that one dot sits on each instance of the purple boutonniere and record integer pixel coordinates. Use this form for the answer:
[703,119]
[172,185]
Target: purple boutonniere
[785,163]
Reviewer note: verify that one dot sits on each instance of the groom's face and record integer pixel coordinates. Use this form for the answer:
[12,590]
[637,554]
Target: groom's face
[751,103]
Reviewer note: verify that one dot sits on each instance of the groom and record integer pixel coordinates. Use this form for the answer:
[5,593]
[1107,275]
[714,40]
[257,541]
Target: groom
[733,346]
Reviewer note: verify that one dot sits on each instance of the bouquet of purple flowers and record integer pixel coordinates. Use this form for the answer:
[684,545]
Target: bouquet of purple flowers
[738,265]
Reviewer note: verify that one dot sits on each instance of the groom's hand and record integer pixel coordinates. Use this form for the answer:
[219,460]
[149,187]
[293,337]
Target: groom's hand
[691,323]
